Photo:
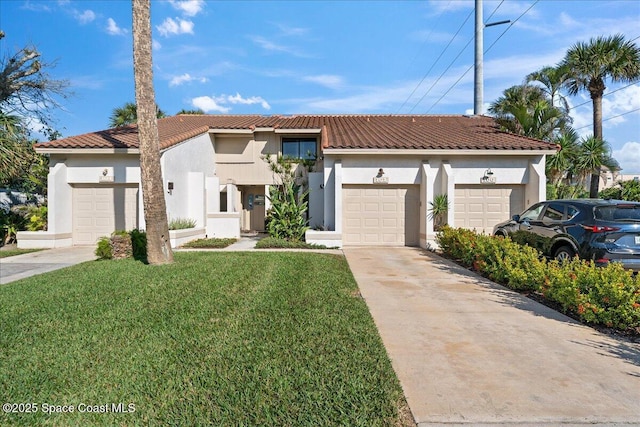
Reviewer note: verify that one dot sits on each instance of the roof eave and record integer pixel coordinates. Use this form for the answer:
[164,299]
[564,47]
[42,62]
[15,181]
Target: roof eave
[45,150]
[435,152]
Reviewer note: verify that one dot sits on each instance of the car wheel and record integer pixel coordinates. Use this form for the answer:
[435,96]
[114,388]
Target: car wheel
[500,233]
[564,253]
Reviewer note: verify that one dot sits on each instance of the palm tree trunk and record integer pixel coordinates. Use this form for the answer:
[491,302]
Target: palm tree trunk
[596,98]
[155,211]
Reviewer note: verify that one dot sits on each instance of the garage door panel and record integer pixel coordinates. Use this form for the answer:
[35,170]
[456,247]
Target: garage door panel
[480,207]
[381,211]
[98,211]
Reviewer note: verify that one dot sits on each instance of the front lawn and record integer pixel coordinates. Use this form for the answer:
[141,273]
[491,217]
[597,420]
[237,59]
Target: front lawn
[234,338]
[5,253]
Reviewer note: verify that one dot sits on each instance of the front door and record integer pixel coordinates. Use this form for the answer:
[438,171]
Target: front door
[253,207]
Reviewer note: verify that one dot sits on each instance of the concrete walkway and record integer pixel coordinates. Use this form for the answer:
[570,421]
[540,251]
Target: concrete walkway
[26,265]
[469,352]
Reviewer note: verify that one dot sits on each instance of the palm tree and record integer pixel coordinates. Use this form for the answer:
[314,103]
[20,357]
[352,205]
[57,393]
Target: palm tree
[525,110]
[593,155]
[155,211]
[590,65]
[561,166]
[552,80]
[128,115]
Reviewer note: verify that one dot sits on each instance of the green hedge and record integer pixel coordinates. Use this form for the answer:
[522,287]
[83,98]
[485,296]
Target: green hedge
[608,296]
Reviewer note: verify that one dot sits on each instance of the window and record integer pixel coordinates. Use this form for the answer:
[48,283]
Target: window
[299,148]
[554,212]
[532,213]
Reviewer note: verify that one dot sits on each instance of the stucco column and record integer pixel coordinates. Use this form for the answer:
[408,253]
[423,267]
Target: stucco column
[267,202]
[231,198]
[449,187]
[337,169]
[428,181]
[537,187]
[59,200]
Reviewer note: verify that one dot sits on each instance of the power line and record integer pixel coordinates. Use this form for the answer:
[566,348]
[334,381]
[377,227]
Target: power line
[610,118]
[606,94]
[434,63]
[487,50]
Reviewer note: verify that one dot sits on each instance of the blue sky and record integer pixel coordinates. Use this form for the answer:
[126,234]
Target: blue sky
[325,57]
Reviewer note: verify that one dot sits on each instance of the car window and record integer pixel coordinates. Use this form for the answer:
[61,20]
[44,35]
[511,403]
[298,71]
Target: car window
[618,213]
[571,212]
[532,213]
[554,212]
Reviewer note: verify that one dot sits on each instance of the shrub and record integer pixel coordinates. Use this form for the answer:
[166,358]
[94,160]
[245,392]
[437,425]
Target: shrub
[286,218]
[139,244]
[103,251]
[182,223]
[608,295]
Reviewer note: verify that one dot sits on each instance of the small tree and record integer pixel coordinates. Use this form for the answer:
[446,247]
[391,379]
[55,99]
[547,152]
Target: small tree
[286,217]
[438,211]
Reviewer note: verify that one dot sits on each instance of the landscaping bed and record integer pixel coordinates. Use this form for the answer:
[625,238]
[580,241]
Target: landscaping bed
[607,298]
[217,338]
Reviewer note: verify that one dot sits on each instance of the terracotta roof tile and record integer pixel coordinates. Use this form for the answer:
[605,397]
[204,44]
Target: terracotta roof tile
[339,131]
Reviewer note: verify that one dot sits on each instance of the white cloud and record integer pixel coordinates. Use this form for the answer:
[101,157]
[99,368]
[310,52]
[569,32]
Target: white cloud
[629,157]
[208,104]
[84,17]
[188,7]
[156,45]
[186,78]
[238,99]
[113,29]
[179,26]
[270,46]
[327,80]
[218,103]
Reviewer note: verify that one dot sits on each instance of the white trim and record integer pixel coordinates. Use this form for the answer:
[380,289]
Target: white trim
[293,131]
[422,152]
[232,131]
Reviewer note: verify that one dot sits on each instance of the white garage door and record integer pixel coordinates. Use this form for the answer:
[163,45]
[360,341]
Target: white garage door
[480,207]
[100,210]
[381,215]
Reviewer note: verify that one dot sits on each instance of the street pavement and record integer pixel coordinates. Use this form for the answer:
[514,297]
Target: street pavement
[27,265]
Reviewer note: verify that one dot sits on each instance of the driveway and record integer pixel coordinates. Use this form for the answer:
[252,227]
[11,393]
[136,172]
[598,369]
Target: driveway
[468,351]
[26,265]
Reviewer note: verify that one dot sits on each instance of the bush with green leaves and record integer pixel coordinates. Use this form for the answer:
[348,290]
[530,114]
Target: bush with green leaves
[287,213]
[625,190]
[181,223]
[138,241]
[608,295]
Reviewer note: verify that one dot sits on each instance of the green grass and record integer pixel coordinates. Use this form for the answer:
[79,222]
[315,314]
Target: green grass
[276,243]
[209,243]
[13,252]
[213,339]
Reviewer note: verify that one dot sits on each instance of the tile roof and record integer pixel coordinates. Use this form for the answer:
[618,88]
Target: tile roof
[340,131]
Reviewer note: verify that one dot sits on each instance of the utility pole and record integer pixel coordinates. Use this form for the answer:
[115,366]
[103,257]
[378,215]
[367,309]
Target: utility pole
[478,77]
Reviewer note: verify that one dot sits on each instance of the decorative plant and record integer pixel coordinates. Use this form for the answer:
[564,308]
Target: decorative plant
[181,223]
[438,211]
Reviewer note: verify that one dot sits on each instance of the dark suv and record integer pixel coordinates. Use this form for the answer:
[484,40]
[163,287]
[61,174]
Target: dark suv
[595,229]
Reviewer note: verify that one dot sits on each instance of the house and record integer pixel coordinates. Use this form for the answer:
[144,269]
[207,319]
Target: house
[373,178]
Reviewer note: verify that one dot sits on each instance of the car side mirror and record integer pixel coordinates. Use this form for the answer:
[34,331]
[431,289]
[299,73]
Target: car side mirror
[516,218]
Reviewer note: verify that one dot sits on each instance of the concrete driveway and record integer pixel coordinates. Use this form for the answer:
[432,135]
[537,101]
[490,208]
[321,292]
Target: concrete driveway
[468,351]
[26,265]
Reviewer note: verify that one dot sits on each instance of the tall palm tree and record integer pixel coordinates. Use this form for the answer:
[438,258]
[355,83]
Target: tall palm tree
[155,210]
[593,155]
[128,115]
[590,65]
[552,80]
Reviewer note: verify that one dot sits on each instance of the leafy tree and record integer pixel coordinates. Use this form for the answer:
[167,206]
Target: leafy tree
[155,211]
[26,90]
[128,115]
[625,190]
[590,65]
